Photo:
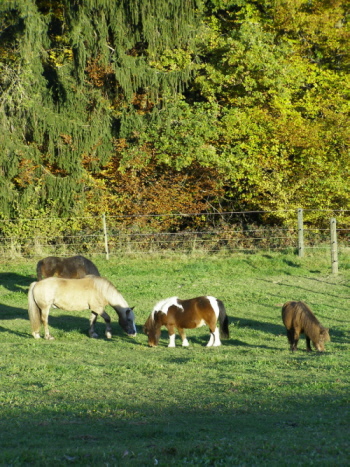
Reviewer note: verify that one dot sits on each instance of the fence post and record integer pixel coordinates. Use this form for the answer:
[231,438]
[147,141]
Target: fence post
[300,233]
[334,246]
[105,235]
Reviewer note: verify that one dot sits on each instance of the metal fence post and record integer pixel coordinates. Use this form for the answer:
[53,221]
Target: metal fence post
[334,246]
[105,235]
[300,233]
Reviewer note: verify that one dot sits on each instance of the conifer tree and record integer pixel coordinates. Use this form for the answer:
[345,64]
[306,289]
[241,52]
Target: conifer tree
[69,74]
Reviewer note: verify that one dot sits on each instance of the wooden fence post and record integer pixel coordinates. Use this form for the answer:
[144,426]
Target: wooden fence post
[334,246]
[105,235]
[300,233]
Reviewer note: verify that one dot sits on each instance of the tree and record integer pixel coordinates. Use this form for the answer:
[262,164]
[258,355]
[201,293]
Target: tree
[70,72]
[282,138]
[243,104]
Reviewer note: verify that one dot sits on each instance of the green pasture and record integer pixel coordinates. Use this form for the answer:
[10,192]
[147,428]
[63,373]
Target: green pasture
[83,401]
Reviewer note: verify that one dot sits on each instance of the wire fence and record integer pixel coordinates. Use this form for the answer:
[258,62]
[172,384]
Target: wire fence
[225,232]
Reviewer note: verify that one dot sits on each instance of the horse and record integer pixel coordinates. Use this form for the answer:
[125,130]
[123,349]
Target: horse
[90,292]
[189,314]
[74,267]
[299,319]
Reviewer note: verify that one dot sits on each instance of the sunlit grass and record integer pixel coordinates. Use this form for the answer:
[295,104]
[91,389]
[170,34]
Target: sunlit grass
[250,402]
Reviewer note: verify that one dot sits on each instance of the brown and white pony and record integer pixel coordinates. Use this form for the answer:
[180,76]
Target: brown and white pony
[74,267]
[187,314]
[90,293]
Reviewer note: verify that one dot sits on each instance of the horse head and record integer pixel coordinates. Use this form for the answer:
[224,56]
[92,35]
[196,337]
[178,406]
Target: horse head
[127,320]
[152,328]
[323,337]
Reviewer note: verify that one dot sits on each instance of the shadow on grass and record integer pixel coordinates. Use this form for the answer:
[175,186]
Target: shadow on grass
[306,289]
[16,282]
[291,264]
[12,312]
[202,341]
[269,328]
[339,337]
[64,323]
[251,430]
[15,333]
[69,323]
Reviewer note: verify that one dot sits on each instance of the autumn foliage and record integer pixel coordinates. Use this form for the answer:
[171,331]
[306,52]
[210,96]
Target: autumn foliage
[174,107]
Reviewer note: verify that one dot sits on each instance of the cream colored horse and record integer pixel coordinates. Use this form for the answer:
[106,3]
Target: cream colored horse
[89,293]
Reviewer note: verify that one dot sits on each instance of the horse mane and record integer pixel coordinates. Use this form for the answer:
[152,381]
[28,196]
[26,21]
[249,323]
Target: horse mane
[311,325]
[106,288]
[88,265]
[165,304]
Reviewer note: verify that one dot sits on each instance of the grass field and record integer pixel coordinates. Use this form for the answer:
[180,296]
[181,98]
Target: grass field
[83,401]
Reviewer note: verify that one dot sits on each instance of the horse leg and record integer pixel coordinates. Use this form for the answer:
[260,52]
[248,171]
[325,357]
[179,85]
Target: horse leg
[214,340]
[217,340]
[308,344]
[107,319]
[185,342]
[45,321]
[295,340]
[171,331]
[211,340]
[290,336]
[36,329]
[93,319]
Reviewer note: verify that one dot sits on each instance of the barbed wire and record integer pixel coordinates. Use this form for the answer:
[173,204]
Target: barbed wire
[133,239]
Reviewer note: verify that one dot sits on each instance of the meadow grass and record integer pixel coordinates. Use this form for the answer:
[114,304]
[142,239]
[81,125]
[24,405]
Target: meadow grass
[83,401]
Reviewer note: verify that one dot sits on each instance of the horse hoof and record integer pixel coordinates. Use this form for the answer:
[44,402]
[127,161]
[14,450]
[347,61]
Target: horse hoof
[94,335]
[36,335]
[108,335]
[49,338]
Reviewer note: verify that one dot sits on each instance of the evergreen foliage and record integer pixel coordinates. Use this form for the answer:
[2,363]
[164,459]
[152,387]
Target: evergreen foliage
[69,71]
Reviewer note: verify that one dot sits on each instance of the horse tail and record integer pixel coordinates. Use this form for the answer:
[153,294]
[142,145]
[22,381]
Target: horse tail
[34,311]
[223,320]
[39,272]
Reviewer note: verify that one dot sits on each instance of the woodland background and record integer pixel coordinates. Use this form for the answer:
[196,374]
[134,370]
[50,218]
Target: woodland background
[174,106]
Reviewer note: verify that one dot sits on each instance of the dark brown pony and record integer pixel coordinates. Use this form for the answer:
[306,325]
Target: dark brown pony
[299,319]
[187,314]
[75,267]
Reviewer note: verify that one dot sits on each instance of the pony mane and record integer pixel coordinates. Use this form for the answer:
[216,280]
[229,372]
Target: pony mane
[311,324]
[106,288]
[165,304]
